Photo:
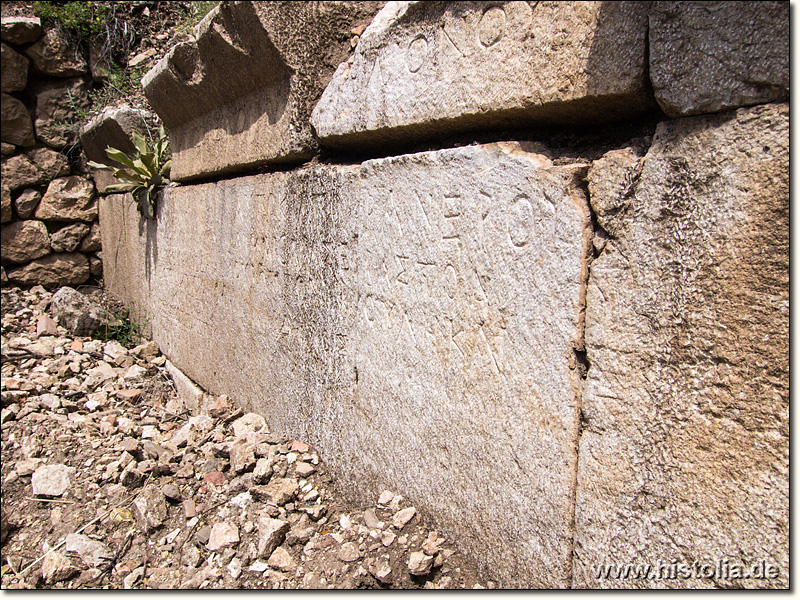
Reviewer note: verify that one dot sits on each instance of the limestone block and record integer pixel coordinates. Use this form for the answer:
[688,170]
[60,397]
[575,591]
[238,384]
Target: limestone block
[68,237]
[56,103]
[23,241]
[685,448]
[33,168]
[239,93]
[417,317]
[281,248]
[68,199]
[113,127]
[17,127]
[426,68]
[7,149]
[471,271]
[711,56]
[20,30]
[14,70]
[53,270]
[55,54]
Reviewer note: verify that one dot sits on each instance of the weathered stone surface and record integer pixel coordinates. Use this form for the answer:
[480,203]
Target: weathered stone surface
[33,168]
[16,127]
[458,313]
[239,93]
[54,54]
[99,66]
[75,312]
[685,447]
[7,149]
[711,56]
[14,70]
[56,103]
[68,199]
[27,202]
[67,238]
[20,30]
[23,241]
[6,214]
[113,127]
[52,270]
[424,68]
[92,241]
[51,163]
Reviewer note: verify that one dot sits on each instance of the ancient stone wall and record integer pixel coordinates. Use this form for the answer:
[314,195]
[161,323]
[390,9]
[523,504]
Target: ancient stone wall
[561,327]
[50,231]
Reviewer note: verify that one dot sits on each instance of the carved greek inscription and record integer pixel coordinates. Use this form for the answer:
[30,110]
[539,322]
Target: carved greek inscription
[492,26]
[450,281]
[415,56]
[520,221]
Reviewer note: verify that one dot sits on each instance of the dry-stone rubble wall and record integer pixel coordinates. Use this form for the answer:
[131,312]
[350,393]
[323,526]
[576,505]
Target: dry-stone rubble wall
[573,357]
[50,228]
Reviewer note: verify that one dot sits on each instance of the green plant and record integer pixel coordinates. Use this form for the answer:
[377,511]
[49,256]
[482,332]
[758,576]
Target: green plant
[84,18]
[123,326]
[144,175]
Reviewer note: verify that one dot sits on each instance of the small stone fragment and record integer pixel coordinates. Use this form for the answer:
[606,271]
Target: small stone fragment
[57,567]
[249,423]
[281,559]
[171,492]
[52,480]
[371,520]
[385,498]
[348,552]
[92,552]
[404,516]
[420,564]
[271,533]
[151,506]
[223,534]
[304,469]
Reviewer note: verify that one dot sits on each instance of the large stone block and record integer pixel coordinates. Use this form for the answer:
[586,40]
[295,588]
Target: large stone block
[471,272]
[436,357]
[249,284]
[14,70]
[711,56]
[426,68]
[23,241]
[17,127]
[113,127]
[33,168]
[685,450]
[56,106]
[20,30]
[54,270]
[55,54]
[68,199]
[239,93]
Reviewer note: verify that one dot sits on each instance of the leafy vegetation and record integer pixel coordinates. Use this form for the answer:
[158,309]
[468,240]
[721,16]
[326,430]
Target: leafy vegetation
[144,175]
[124,326]
[85,18]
